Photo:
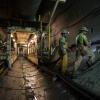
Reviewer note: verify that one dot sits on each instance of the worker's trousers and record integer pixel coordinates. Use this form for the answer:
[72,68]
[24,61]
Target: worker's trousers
[64,63]
[79,57]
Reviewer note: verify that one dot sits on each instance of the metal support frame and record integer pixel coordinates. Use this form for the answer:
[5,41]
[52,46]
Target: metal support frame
[9,48]
[41,26]
[54,9]
[27,49]
[50,22]
[49,25]
[49,41]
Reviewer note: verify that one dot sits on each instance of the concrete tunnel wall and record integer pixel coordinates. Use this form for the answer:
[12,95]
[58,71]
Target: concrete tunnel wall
[85,13]
[80,13]
[19,9]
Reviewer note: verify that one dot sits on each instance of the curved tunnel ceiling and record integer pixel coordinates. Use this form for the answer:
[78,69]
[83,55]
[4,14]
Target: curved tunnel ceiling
[71,14]
[19,9]
[28,9]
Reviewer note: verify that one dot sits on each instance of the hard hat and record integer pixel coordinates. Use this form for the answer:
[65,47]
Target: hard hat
[84,29]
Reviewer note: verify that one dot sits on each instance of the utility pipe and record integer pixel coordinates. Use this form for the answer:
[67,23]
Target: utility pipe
[53,12]
[49,24]
[50,21]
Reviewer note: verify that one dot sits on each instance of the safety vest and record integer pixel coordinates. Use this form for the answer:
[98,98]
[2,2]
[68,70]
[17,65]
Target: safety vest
[63,42]
[62,45]
[81,39]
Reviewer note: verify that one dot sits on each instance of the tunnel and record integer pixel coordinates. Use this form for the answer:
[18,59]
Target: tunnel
[49,50]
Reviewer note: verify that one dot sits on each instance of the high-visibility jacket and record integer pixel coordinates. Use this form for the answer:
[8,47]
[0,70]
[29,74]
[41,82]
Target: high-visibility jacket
[81,39]
[62,45]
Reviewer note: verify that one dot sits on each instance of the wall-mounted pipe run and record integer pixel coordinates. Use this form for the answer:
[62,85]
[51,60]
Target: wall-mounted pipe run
[49,24]
[54,9]
[53,12]
[49,40]
[16,22]
[41,26]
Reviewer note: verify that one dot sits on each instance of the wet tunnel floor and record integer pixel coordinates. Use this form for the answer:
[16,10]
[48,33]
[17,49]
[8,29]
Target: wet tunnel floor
[24,82]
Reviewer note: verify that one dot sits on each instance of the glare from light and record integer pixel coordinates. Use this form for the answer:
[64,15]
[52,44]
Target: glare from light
[15,45]
[28,44]
[31,41]
[35,36]
[11,35]
[13,40]
[25,45]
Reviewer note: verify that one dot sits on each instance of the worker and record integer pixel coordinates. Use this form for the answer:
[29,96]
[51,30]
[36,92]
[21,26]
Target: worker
[63,51]
[83,48]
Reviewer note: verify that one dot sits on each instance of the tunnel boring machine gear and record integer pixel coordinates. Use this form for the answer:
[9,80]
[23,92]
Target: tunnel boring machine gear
[83,48]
